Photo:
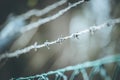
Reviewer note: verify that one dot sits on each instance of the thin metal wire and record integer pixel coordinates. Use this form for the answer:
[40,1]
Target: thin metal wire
[76,72]
[103,73]
[84,74]
[50,18]
[96,64]
[59,40]
[116,73]
[43,11]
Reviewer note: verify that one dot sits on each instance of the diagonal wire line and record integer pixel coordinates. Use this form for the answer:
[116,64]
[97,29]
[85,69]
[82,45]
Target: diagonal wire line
[116,72]
[32,25]
[84,74]
[94,71]
[50,18]
[106,60]
[43,11]
[36,12]
[101,70]
[61,75]
[14,24]
[59,40]
[74,74]
[103,73]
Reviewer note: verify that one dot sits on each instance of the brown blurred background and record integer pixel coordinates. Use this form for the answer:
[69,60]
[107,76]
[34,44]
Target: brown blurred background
[59,55]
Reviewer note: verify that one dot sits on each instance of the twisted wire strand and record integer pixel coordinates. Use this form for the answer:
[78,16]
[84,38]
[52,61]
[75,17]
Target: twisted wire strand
[36,46]
[44,11]
[50,18]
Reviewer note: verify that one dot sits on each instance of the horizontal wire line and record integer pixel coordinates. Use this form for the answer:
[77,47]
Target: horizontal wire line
[59,40]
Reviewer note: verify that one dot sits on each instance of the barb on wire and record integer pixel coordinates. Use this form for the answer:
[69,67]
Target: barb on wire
[50,18]
[47,44]
[92,30]
[96,64]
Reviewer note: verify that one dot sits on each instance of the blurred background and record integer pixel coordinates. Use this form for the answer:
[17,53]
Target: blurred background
[34,62]
[70,52]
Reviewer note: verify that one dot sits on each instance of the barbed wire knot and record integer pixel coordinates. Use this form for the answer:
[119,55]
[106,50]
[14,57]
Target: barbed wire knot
[92,30]
[75,35]
[35,46]
[60,40]
[47,44]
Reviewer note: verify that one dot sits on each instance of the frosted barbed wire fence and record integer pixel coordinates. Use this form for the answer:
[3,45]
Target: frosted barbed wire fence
[36,46]
[96,66]
[77,70]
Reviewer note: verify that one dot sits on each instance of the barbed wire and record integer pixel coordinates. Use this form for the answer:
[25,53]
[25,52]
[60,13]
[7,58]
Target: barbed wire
[14,24]
[42,21]
[20,29]
[50,18]
[42,12]
[36,46]
[18,20]
[80,68]
[96,65]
